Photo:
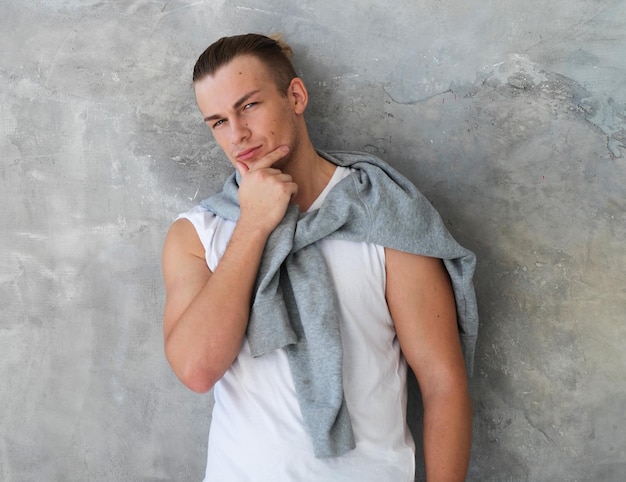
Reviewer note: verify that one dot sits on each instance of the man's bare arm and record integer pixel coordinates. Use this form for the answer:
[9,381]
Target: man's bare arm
[206,314]
[421,303]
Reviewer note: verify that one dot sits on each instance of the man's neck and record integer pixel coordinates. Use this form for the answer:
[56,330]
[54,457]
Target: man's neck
[311,173]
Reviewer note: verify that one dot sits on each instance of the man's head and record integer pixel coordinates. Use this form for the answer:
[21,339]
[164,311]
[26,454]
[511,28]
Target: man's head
[272,52]
[251,98]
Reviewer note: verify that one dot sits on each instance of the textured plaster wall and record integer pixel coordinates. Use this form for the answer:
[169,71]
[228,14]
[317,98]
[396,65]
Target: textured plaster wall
[510,116]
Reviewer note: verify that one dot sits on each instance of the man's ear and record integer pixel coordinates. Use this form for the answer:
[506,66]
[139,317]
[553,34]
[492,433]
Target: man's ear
[298,95]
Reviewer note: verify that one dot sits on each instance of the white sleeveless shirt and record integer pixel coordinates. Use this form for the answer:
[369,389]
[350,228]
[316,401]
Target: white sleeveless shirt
[257,432]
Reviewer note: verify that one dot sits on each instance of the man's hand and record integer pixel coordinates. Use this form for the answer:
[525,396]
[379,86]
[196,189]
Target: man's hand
[264,192]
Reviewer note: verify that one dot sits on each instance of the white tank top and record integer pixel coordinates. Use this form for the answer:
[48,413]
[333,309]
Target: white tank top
[257,433]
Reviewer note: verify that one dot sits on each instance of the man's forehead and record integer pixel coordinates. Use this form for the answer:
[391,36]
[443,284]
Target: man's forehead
[246,66]
[241,74]
[238,78]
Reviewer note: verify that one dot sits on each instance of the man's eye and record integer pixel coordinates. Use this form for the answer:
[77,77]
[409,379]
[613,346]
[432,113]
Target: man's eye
[248,106]
[218,123]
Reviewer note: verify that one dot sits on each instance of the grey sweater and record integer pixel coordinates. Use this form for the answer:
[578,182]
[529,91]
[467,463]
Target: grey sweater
[295,303]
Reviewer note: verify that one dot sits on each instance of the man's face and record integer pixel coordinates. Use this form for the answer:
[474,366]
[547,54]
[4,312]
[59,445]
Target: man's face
[248,116]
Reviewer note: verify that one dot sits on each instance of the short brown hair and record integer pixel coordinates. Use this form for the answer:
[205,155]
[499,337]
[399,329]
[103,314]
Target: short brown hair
[272,51]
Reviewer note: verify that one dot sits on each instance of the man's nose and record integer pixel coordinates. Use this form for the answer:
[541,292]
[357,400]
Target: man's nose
[239,131]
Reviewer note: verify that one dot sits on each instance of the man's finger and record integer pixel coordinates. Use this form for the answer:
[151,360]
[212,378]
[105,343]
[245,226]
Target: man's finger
[241,167]
[271,158]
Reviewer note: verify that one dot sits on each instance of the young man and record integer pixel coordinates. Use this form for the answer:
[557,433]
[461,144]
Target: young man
[300,292]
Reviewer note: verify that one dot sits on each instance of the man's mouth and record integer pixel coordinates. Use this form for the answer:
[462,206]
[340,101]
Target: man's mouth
[247,154]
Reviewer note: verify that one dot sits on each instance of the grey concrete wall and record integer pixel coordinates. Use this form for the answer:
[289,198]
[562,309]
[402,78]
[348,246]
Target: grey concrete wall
[509,115]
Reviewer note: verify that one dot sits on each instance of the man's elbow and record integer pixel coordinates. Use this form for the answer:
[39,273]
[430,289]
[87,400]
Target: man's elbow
[198,383]
[192,373]
[446,384]
[450,402]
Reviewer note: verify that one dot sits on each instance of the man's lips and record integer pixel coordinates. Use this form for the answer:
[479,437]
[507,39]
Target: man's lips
[247,154]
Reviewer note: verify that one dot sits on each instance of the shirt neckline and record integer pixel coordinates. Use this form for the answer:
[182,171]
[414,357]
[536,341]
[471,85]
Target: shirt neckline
[338,175]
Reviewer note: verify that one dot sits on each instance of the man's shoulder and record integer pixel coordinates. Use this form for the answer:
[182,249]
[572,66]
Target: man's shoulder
[202,217]
[211,231]
[347,158]
[182,239]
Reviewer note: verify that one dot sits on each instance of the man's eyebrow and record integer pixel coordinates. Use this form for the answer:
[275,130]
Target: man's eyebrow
[242,100]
